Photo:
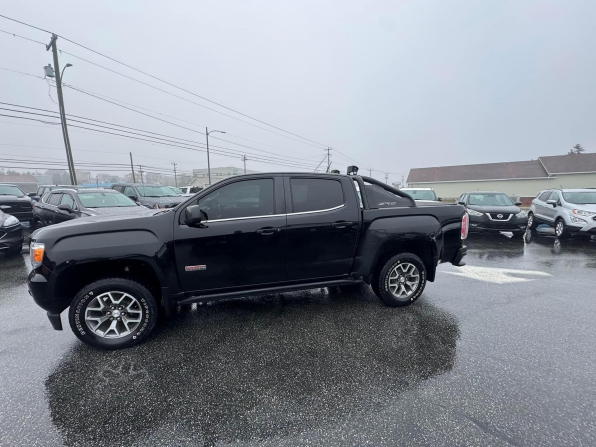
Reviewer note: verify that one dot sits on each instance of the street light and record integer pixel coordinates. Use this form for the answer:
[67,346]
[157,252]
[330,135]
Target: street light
[65,67]
[207,132]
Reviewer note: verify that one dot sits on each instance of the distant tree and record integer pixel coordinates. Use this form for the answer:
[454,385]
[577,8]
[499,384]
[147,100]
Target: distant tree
[577,149]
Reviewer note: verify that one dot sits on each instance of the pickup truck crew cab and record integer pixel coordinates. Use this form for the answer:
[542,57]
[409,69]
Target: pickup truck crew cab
[246,235]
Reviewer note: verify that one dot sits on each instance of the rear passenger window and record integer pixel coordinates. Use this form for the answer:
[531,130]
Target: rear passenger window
[315,194]
[55,199]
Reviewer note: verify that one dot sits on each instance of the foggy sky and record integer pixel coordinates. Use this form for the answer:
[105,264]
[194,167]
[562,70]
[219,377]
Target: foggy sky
[394,85]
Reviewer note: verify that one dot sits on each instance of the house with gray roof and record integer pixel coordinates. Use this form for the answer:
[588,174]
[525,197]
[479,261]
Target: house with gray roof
[524,179]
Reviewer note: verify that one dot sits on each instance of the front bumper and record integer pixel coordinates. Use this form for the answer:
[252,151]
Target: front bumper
[484,225]
[11,237]
[41,285]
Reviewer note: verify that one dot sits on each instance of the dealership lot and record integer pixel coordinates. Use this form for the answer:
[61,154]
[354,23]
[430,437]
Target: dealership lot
[500,352]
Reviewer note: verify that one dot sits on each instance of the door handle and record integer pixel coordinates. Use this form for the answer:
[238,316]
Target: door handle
[267,231]
[342,224]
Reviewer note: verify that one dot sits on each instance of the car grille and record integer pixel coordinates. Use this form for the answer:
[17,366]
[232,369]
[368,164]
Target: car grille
[499,216]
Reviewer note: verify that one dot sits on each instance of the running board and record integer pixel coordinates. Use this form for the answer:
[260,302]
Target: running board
[265,291]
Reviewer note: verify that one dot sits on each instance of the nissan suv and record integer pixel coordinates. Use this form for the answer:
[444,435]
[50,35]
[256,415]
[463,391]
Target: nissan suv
[150,195]
[569,211]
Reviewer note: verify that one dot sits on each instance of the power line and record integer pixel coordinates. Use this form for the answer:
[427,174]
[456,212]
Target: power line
[21,37]
[190,142]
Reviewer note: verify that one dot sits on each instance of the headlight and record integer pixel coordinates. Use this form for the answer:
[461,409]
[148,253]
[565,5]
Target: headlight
[578,221]
[473,213]
[10,221]
[521,214]
[584,213]
[36,251]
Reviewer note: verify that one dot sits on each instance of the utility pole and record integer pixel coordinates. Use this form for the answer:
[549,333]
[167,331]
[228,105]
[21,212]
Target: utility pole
[402,181]
[175,178]
[386,178]
[71,168]
[244,160]
[370,172]
[141,172]
[97,180]
[208,163]
[132,168]
[328,158]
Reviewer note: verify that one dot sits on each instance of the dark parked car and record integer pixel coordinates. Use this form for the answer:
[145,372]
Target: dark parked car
[492,211]
[11,234]
[15,202]
[61,205]
[246,235]
[42,189]
[150,195]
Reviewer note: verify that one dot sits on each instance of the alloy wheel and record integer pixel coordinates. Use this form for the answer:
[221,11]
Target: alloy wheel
[404,280]
[559,228]
[113,315]
[530,220]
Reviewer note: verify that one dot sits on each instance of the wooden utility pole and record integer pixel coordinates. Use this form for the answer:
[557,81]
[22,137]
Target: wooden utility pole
[175,177]
[141,172]
[386,178]
[132,168]
[71,168]
[328,159]
[244,160]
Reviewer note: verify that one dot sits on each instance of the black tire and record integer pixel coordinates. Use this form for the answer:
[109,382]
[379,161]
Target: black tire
[532,224]
[518,234]
[146,303]
[561,230]
[382,281]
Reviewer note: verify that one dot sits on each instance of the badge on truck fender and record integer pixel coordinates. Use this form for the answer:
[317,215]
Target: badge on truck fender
[194,268]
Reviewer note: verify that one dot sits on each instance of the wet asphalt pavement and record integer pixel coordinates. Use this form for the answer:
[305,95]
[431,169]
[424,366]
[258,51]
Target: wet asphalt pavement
[501,352]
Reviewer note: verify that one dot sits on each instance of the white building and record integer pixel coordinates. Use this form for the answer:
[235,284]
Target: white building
[201,177]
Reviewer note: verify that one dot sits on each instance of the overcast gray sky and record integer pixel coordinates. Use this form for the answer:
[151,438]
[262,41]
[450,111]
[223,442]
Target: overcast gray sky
[392,84]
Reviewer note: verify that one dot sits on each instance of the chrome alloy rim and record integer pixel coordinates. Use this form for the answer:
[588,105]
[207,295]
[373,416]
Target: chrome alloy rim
[113,314]
[530,220]
[559,229]
[404,280]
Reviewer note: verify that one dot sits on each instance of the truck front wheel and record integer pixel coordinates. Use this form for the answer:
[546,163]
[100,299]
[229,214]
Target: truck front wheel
[113,313]
[402,280]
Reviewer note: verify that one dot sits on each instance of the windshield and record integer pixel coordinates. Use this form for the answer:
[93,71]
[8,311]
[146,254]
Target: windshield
[104,200]
[176,190]
[580,198]
[421,194]
[9,190]
[155,191]
[492,199]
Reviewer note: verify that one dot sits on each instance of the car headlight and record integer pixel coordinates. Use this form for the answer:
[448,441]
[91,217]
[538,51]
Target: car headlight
[36,251]
[578,221]
[521,214]
[10,221]
[473,212]
[584,213]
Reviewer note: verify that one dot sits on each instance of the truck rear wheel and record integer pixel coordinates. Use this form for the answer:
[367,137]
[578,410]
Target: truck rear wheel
[402,280]
[113,313]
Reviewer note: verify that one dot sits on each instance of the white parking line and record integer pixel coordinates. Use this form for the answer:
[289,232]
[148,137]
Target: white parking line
[498,275]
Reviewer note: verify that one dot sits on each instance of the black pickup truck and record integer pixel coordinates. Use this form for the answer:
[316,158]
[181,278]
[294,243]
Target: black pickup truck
[247,235]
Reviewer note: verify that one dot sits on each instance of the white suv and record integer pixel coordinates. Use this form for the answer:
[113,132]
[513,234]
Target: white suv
[567,210]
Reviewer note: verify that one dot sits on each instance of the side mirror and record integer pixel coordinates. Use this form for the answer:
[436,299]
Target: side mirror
[461,203]
[31,194]
[133,198]
[193,215]
[65,207]
[518,203]
[439,199]
[552,202]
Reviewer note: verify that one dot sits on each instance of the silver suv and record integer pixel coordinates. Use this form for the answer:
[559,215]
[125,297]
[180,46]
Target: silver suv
[567,210]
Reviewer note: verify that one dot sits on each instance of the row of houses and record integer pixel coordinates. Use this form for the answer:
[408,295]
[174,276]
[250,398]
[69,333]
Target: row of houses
[524,179]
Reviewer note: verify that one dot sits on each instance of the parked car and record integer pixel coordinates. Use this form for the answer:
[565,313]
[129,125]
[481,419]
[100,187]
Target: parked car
[190,191]
[11,234]
[44,189]
[422,194]
[150,195]
[15,202]
[569,211]
[61,205]
[493,211]
[247,235]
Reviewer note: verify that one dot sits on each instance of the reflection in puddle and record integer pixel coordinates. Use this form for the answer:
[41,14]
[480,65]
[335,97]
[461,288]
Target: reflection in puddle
[250,370]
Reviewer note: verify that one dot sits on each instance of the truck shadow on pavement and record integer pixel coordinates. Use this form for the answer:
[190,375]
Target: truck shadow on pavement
[251,369]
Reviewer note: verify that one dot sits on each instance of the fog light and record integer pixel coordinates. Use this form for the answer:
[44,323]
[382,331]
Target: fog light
[578,221]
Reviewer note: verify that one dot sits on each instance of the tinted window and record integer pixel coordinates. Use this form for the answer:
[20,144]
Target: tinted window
[67,200]
[55,199]
[247,198]
[40,191]
[129,192]
[554,196]
[544,196]
[315,194]
[378,197]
